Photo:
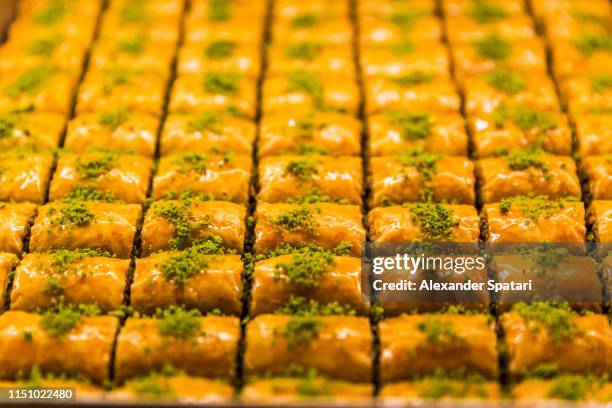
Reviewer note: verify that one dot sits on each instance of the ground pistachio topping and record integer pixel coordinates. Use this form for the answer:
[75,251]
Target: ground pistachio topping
[525,118]
[405,18]
[62,319]
[303,169]
[315,196]
[308,82]
[98,165]
[305,20]
[134,45]
[30,81]
[219,10]
[518,160]
[573,387]
[8,122]
[508,82]
[134,11]
[426,163]
[178,214]
[494,47]
[402,48]
[112,119]
[589,43]
[89,192]
[306,50]
[484,11]
[181,267]
[53,12]
[74,213]
[414,78]
[45,46]
[557,318]
[225,83]
[220,49]
[438,331]
[601,82]
[294,220]
[63,260]
[534,207]
[301,330]
[306,268]
[178,322]
[435,221]
[442,385]
[191,161]
[204,121]
[300,306]
[412,125]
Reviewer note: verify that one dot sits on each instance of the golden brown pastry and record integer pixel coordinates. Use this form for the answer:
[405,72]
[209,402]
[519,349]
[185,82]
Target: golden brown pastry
[483,10]
[420,176]
[332,279]
[175,225]
[520,127]
[465,29]
[310,178]
[565,388]
[217,177]
[35,130]
[243,30]
[221,55]
[527,172]
[396,131]
[598,171]
[116,128]
[587,93]
[214,91]
[7,263]
[537,334]
[318,27]
[105,176]
[326,225]
[189,278]
[15,220]
[600,217]
[39,48]
[288,9]
[199,346]
[318,132]
[234,10]
[417,345]
[420,90]
[80,277]
[24,176]
[535,219]
[424,222]
[583,53]
[440,388]
[387,8]
[403,58]
[275,342]
[207,132]
[319,58]
[295,390]
[60,344]
[86,225]
[396,28]
[593,134]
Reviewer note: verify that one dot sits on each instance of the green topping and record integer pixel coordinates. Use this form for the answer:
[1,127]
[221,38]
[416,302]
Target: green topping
[403,47]
[8,122]
[438,331]
[558,319]
[113,119]
[219,10]
[508,82]
[63,260]
[134,45]
[425,163]
[300,306]
[188,162]
[302,169]
[178,215]
[306,268]
[27,336]
[114,77]
[589,44]
[524,159]
[44,47]
[413,126]
[414,78]
[74,213]
[204,121]
[306,20]
[61,321]
[301,330]
[133,11]
[405,18]
[220,49]
[439,386]
[225,83]
[295,220]
[493,47]
[525,118]
[151,387]
[178,322]
[305,50]
[572,387]
[54,12]
[485,12]
[545,255]
[435,221]
[179,268]
[306,81]
[534,207]
[53,286]
[30,81]
[314,196]
[89,192]
[96,166]
[601,82]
